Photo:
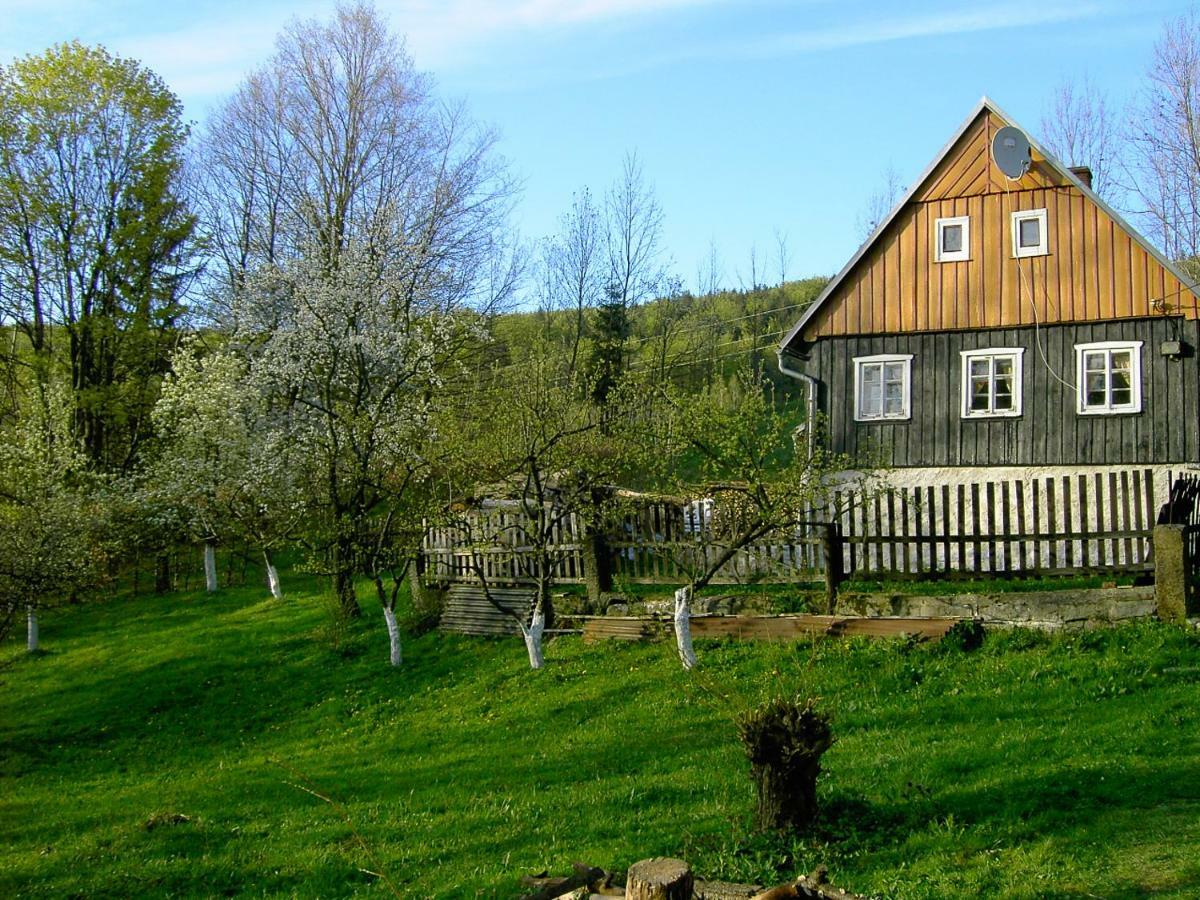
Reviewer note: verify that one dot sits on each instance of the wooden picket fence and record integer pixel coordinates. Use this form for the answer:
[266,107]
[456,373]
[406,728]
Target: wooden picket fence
[1099,522]
[655,547]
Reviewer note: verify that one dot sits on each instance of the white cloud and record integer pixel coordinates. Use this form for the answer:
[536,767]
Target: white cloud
[990,18]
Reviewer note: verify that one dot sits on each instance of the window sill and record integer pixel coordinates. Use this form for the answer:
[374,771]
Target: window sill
[975,417]
[1108,412]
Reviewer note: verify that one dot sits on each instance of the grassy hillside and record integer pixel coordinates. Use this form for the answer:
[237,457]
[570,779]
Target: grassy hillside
[155,747]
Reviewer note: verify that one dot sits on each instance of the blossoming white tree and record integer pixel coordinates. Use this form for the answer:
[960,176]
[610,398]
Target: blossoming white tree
[53,536]
[358,364]
[225,467]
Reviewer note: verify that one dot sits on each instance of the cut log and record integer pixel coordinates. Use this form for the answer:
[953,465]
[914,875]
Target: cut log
[661,878]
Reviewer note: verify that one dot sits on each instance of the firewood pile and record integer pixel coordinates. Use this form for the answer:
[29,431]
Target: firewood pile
[669,879]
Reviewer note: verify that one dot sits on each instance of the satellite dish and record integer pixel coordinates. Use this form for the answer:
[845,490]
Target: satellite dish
[1010,150]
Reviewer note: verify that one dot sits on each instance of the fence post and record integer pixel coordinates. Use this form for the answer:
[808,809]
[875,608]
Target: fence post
[831,546]
[1170,573]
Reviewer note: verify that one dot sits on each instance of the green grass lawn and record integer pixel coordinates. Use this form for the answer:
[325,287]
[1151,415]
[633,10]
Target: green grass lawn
[1033,767]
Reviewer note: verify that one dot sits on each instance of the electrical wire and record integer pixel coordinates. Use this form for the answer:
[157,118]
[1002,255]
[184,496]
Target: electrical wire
[1037,332]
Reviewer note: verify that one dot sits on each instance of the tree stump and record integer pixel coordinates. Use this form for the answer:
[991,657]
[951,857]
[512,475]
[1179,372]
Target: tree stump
[784,740]
[660,878]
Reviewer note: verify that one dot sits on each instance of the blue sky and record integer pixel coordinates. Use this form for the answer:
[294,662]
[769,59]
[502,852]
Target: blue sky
[750,118]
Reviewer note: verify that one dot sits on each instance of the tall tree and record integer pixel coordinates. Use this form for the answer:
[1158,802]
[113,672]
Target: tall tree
[574,269]
[95,239]
[376,224]
[636,270]
[339,140]
[880,203]
[1163,165]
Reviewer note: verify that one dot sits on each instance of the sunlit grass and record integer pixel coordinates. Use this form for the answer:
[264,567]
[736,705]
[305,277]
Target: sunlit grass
[156,746]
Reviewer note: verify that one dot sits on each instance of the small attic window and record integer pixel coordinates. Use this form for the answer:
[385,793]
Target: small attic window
[953,239]
[1029,233]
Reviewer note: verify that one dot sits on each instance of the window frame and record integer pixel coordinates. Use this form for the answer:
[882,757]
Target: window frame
[1022,215]
[882,359]
[1135,378]
[1017,355]
[962,255]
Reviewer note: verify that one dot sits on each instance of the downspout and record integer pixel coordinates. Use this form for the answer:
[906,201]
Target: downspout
[810,400]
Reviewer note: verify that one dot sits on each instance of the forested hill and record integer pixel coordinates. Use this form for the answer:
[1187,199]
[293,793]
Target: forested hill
[689,340]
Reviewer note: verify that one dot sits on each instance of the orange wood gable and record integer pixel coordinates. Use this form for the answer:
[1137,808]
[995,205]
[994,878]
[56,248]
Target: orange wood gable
[1095,268]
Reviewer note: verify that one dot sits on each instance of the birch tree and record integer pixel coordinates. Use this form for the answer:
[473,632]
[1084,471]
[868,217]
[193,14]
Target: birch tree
[573,265]
[1080,129]
[636,270]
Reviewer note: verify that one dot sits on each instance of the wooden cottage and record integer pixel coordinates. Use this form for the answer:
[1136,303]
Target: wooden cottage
[997,325]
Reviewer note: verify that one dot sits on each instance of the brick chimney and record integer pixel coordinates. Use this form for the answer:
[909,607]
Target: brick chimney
[1084,174]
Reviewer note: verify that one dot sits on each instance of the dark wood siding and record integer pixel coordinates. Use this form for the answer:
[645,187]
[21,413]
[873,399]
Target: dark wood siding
[1049,431]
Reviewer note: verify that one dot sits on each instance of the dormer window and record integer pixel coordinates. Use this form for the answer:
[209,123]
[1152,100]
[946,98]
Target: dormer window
[953,239]
[1029,233]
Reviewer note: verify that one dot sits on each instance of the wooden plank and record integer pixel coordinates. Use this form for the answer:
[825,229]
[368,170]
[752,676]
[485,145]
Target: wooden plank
[1023,540]
[976,544]
[1084,525]
[1111,554]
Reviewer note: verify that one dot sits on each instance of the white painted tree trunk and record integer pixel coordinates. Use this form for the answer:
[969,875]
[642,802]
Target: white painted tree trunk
[273,581]
[393,634]
[210,567]
[533,638]
[31,642]
[683,627]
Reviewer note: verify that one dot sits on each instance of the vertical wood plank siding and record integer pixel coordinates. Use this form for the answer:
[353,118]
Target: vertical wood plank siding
[1094,269]
[1050,431]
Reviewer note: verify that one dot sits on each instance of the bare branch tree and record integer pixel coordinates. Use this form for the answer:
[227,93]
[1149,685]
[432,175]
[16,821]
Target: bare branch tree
[880,203]
[709,271]
[637,271]
[339,140]
[1163,166]
[574,267]
[1077,127]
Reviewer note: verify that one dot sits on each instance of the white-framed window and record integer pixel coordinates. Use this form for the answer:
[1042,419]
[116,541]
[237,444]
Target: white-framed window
[952,239]
[991,382]
[882,387]
[1029,233]
[1109,377]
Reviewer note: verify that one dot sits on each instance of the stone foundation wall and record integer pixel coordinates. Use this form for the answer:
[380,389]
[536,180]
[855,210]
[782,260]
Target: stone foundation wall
[1052,610]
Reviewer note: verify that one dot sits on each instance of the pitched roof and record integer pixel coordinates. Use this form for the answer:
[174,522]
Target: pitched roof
[984,104]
